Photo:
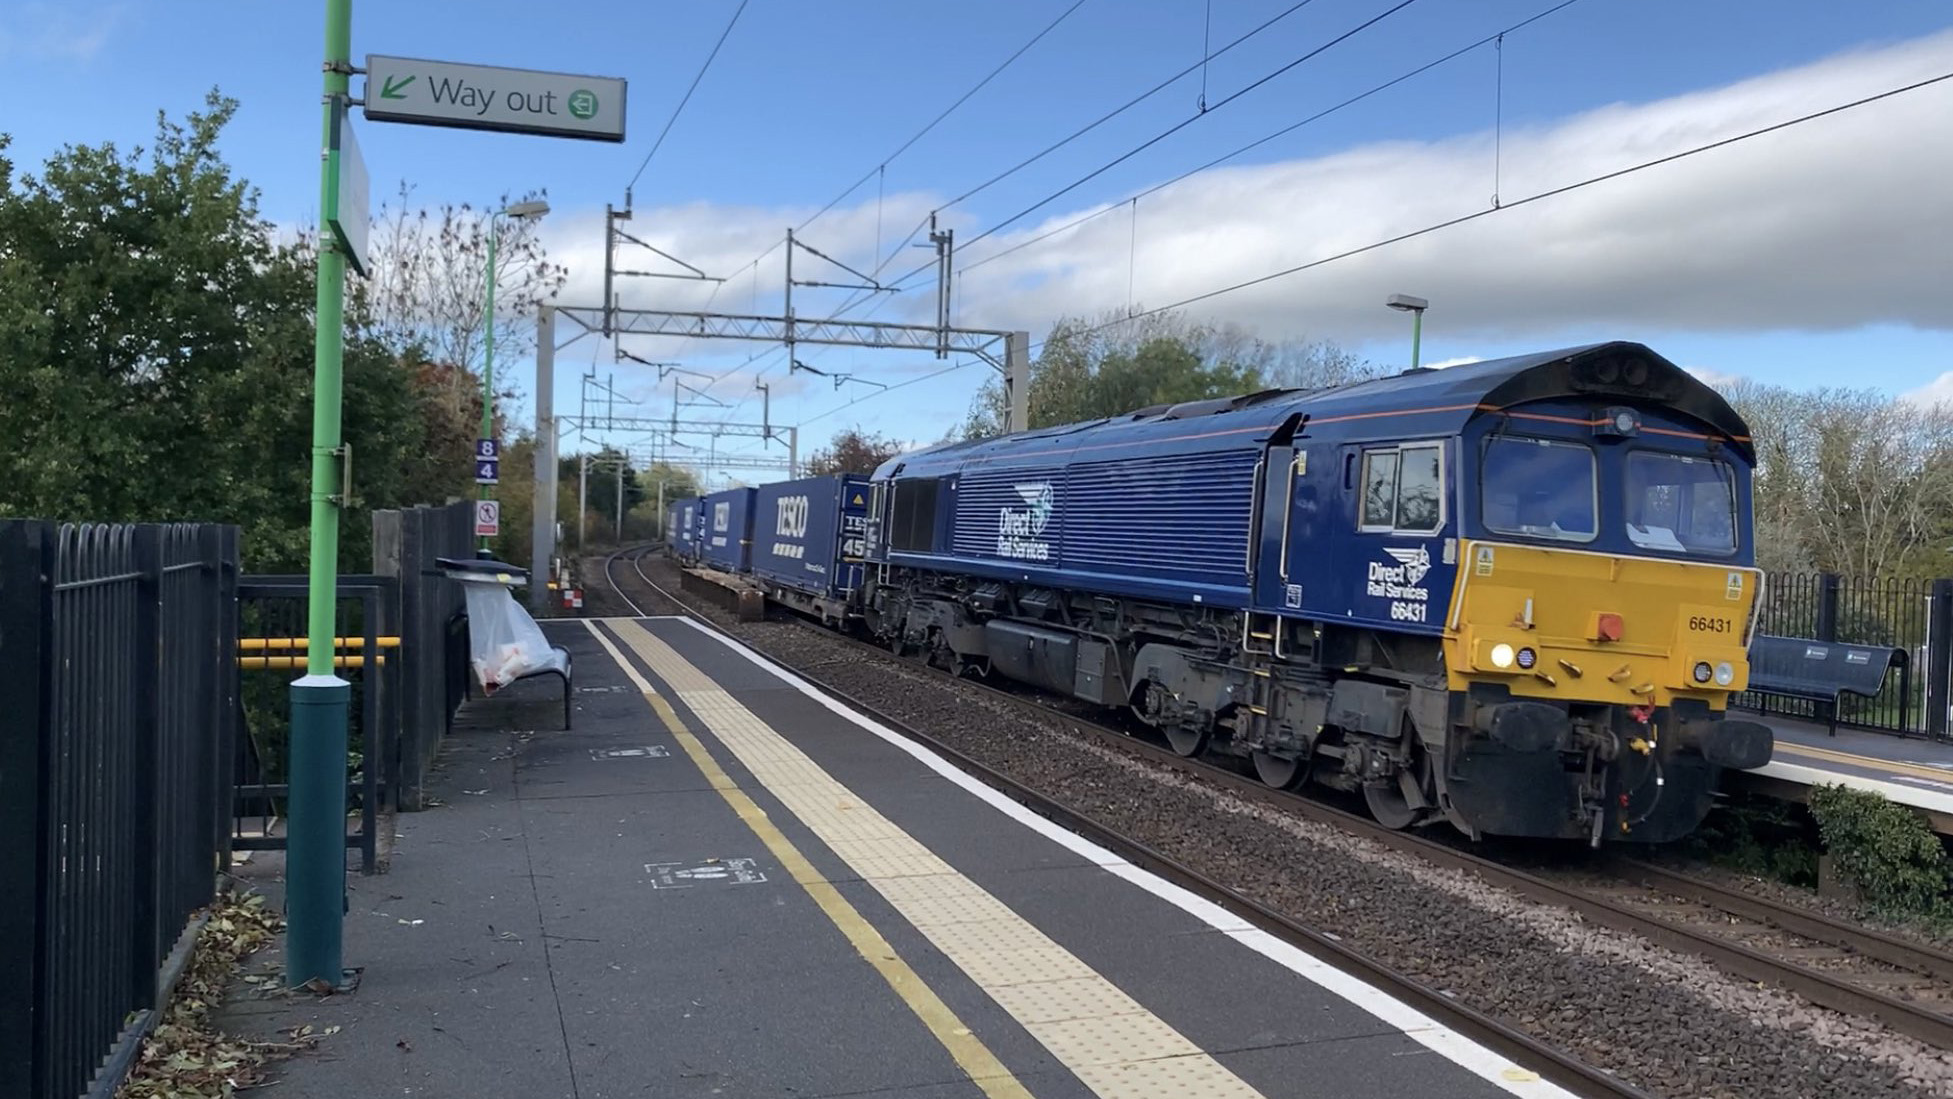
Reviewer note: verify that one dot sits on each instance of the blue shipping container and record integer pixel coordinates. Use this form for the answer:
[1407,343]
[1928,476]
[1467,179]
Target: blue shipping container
[809,534]
[687,528]
[728,531]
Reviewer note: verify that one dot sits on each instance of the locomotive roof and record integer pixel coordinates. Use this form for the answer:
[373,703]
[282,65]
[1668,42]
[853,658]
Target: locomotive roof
[1618,370]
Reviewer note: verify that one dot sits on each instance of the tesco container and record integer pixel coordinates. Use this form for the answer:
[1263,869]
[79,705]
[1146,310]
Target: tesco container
[728,529]
[810,534]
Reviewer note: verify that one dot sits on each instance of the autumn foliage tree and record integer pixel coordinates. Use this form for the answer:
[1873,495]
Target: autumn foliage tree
[852,451]
[1091,368]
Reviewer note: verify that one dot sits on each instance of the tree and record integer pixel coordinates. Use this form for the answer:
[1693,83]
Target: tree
[1849,481]
[1092,368]
[156,352]
[429,271]
[852,451]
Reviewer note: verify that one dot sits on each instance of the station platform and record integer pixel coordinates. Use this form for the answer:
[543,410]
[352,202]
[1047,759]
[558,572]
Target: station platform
[1912,771]
[724,883]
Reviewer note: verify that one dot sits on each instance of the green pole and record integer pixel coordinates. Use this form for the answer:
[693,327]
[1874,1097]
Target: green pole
[315,870]
[488,365]
[1417,335]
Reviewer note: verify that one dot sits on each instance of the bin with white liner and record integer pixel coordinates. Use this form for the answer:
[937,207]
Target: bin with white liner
[504,643]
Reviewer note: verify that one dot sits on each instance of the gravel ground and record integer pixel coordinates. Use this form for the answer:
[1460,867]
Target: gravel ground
[1667,1022]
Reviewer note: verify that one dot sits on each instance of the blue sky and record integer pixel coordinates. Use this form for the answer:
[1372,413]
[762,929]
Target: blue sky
[807,97]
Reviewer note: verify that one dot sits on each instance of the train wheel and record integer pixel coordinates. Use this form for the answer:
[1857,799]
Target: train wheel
[1184,741]
[1388,804]
[1280,773]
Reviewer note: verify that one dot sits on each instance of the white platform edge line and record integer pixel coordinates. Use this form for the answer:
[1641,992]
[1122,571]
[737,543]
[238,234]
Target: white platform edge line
[1893,791]
[1423,1029]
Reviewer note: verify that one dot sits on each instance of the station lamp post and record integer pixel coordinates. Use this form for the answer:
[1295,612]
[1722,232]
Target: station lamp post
[533,209]
[1404,303]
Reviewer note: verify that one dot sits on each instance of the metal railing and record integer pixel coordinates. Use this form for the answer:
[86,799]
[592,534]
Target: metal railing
[116,677]
[272,609]
[1913,615]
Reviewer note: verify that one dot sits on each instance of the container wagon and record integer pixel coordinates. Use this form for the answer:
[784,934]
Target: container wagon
[809,537]
[727,532]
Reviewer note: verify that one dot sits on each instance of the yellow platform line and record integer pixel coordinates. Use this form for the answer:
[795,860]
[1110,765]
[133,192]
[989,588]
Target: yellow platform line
[1870,763]
[969,1052]
[1111,1042]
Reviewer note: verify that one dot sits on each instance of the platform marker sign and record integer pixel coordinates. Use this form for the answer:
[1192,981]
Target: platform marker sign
[654,751]
[489,97]
[488,518]
[678,875]
[488,471]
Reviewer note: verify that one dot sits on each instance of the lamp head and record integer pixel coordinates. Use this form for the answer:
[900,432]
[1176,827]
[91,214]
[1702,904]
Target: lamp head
[1404,303]
[532,209]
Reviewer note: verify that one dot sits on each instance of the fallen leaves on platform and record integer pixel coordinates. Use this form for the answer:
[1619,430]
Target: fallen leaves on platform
[185,1056]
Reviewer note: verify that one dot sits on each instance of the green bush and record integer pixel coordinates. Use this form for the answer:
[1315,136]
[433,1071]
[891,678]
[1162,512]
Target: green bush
[1888,852]
[1757,835]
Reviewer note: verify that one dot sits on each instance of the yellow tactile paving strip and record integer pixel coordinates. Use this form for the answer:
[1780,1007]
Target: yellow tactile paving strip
[1106,1038]
[971,1055]
[1869,763]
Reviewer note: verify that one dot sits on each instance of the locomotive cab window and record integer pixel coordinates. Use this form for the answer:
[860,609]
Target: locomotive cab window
[1539,488]
[1678,503]
[1403,489]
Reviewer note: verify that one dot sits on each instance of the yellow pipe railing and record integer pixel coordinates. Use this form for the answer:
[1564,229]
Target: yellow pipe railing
[301,644]
[257,662]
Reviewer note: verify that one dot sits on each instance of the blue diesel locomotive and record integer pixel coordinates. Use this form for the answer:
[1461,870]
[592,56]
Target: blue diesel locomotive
[1513,595]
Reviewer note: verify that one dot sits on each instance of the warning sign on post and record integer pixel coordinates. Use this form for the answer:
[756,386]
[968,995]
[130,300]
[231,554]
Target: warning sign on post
[488,518]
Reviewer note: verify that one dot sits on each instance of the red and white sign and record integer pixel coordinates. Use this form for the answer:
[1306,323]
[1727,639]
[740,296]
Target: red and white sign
[488,518]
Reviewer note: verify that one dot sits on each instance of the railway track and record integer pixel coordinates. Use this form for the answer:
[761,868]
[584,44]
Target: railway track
[1842,966]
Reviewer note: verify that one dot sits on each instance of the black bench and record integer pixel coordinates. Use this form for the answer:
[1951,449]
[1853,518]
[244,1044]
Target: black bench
[1825,671]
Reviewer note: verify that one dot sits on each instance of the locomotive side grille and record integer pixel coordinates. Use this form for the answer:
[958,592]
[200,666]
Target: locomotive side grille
[1180,516]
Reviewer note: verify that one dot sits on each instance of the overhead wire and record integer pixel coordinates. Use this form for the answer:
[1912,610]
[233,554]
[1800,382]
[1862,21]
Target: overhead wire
[921,133]
[676,111]
[952,368]
[1184,123]
[1536,197]
[1080,132]
[1152,141]
[1258,142]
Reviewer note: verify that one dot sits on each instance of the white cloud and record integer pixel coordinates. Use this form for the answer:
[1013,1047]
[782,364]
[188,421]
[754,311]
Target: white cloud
[64,32]
[1828,226]
[1939,391]
[1710,376]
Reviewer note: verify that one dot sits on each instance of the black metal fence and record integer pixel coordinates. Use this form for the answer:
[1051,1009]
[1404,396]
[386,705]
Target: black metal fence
[433,629]
[1914,615]
[117,649]
[273,612]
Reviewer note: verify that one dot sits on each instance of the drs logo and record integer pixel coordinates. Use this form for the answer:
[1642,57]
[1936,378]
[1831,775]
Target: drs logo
[792,517]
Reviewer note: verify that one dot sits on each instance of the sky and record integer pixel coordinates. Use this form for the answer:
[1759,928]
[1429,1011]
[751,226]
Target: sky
[1818,255]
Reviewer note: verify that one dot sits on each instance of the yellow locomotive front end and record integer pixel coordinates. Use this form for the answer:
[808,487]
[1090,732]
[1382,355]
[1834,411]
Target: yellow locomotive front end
[1614,672]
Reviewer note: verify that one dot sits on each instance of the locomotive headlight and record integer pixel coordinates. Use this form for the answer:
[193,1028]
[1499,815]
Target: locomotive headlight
[1502,655]
[1702,671]
[1527,658]
[1725,675]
